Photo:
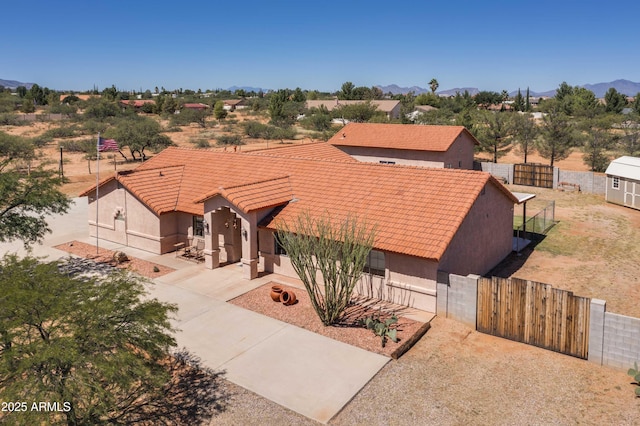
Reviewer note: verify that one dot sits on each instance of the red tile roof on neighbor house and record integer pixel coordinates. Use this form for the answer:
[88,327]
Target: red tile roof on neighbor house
[400,136]
[415,211]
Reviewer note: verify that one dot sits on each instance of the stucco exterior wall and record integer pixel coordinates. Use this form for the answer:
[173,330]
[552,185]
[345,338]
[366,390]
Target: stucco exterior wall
[459,155]
[485,236]
[408,280]
[138,226]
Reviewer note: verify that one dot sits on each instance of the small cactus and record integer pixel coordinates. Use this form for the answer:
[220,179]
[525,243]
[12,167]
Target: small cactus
[635,373]
[381,328]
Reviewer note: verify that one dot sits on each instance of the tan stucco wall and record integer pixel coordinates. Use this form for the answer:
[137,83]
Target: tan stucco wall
[459,155]
[408,280]
[140,227]
[485,236]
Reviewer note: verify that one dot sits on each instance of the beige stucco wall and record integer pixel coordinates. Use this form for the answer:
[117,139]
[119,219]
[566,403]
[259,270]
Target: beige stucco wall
[408,280]
[140,227]
[459,155]
[485,236]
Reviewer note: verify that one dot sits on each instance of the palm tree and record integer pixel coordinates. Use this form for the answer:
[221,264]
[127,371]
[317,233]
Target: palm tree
[434,85]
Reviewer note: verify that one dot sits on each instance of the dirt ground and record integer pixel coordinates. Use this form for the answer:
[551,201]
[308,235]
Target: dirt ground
[593,250]
[455,375]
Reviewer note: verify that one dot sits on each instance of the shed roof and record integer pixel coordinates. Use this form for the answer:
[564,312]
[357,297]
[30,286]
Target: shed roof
[400,136]
[626,167]
[416,211]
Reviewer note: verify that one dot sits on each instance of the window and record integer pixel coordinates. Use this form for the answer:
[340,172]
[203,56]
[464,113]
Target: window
[375,263]
[198,226]
[279,249]
[615,183]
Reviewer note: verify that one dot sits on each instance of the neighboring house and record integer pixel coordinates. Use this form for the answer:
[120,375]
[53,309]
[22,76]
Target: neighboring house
[136,104]
[198,107]
[389,107]
[420,109]
[623,182]
[408,144]
[234,104]
[427,220]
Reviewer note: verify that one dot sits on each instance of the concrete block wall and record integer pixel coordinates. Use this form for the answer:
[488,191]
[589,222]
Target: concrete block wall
[500,170]
[457,297]
[588,181]
[614,339]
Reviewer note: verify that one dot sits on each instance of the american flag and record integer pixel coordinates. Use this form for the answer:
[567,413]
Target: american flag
[107,145]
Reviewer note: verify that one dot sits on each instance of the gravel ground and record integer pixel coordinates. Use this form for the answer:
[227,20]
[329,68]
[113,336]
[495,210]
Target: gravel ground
[455,375]
[304,316]
[105,257]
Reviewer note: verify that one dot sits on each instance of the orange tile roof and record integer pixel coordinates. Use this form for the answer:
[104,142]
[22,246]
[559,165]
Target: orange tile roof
[256,195]
[399,136]
[416,211]
[314,150]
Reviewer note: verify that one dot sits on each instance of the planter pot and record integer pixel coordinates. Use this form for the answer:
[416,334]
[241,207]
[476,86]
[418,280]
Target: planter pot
[276,290]
[288,297]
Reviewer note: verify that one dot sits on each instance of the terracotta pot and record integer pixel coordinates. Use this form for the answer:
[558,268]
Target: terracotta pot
[276,290]
[288,297]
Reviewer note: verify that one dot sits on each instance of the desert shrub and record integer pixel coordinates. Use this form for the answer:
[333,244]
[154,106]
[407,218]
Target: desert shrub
[40,141]
[230,140]
[93,127]
[82,145]
[172,129]
[201,143]
[253,129]
[61,132]
[8,119]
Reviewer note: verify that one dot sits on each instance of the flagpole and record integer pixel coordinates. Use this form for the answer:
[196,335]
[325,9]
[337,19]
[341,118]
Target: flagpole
[97,188]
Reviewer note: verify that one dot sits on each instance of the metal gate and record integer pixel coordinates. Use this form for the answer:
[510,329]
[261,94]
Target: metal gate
[533,175]
[534,313]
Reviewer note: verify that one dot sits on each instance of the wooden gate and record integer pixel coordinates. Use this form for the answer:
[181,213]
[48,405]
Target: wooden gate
[533,175]
[534,313]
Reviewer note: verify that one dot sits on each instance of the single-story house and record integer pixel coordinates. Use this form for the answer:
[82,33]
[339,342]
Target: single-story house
[426,220]
[137,103]
[391,108]
[623,182]
[408,144]
[234,104]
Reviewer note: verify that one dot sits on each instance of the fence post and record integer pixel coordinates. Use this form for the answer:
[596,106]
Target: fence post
[596,330]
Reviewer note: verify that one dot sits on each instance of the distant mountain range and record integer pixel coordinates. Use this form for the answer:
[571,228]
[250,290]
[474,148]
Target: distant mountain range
[625,87]
[246,89]
[12,84]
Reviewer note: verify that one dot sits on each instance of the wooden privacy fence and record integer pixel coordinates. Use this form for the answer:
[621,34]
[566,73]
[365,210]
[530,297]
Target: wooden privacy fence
[533,175]
[534,313]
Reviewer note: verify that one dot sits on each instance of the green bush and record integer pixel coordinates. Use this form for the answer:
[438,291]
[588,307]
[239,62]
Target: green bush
[61,132]
[254,129]
[8,119]
[83,145]
[201,143]
[230,140]
[93,127]
[40,141]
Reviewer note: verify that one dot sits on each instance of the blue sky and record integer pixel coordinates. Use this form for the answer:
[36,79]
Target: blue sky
[492,45]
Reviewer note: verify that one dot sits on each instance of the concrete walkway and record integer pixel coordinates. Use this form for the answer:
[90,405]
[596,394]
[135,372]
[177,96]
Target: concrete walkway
[305,372]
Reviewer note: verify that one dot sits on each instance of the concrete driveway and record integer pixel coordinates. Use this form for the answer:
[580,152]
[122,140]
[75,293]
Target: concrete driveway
[305,372]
